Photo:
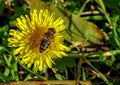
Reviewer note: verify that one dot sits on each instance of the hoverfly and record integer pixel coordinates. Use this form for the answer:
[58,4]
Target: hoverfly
[45,42]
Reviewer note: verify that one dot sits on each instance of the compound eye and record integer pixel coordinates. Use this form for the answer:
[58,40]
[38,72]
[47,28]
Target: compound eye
[52,30]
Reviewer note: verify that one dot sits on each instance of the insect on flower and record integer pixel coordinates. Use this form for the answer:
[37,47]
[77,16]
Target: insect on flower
[37,32]
[45,42]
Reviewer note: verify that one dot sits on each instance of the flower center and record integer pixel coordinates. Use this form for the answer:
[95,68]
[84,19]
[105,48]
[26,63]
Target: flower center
[35,39]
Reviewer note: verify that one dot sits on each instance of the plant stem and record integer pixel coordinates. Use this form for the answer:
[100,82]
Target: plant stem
[82,8]
[93,54]
[43,78]
[51,82]
[114,24]
[99,73]
[103,10]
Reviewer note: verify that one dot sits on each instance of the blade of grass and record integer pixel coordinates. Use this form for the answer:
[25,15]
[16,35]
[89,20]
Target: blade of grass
[15,69]
[2,4]
[116,37]
[6,60]
[99,73]
[103,10]
[82,8]
[23,66]
[3,77]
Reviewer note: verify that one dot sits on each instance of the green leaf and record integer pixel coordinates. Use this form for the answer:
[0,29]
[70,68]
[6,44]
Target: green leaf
[102,8]
[109,63]
[85,32]
[7,61]
[4,42]
[28,76]
[84,76]
[1,62]
[2,4]
[113,5]
[63,63]
[59,77]
[113,58]
[4,78]
[3,30]
[2,49]
[35,4]
[40,4]
[14,70]
[118,66]
[7,71]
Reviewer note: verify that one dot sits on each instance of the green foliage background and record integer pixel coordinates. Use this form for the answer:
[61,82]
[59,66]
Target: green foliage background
[92,24]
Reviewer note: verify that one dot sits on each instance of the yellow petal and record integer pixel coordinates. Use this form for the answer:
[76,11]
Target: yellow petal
[17,50]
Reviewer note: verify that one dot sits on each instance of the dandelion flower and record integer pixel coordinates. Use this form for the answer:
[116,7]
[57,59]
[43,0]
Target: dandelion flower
[38,39]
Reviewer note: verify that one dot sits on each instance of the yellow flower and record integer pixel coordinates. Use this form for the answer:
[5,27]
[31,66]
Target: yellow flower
[39,39]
